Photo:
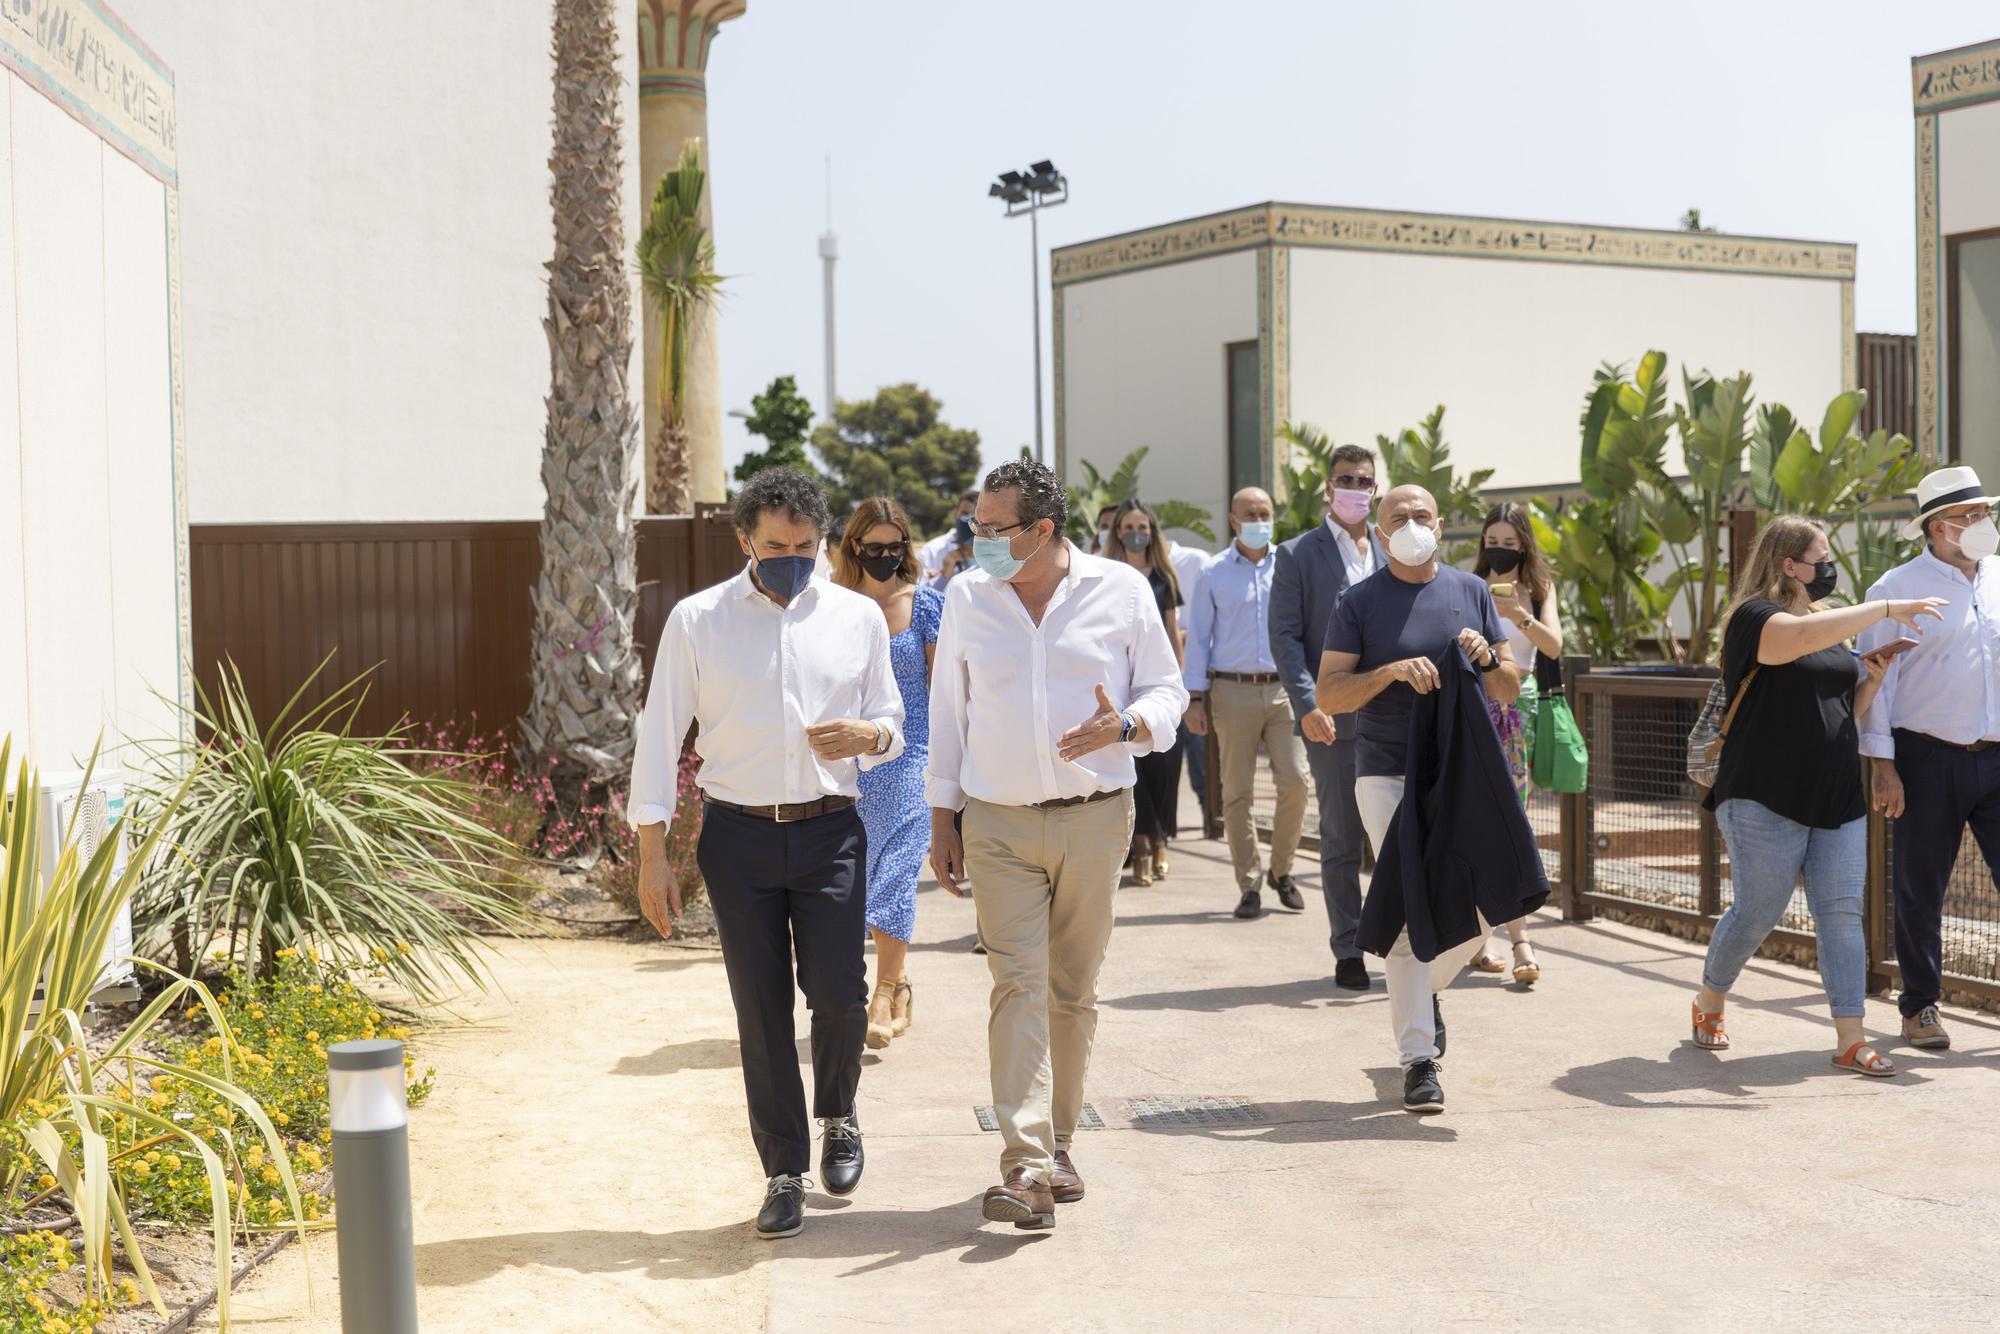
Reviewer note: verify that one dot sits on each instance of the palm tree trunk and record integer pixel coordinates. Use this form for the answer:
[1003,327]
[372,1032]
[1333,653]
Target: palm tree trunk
[585,667]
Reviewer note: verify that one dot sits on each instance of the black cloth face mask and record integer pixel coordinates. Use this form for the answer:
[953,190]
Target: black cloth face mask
[1502,560]
[1826,578]
[881,568]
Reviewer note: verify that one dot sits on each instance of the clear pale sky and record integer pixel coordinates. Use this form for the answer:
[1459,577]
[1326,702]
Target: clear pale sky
[1778,119]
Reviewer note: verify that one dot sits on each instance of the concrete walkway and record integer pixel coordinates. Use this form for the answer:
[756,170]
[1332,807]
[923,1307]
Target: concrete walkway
[1593,1170]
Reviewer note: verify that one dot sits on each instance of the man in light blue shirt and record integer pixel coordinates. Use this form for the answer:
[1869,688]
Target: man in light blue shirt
[1933,730]
[1235,687]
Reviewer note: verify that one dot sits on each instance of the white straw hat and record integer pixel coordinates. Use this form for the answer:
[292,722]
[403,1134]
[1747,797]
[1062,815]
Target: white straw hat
[1941,490]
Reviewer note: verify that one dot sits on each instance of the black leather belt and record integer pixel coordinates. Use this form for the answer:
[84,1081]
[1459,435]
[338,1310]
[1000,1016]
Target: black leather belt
[1057,803]
[1252,678]
[786,814]
[1973,747]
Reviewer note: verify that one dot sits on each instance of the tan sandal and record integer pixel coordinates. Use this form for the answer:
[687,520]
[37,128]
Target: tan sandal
[1142,861]
[879,1032]
[1486,962]
[900,1020]
[1877,1066]
[1527,971]
[1708,1032]
[1160,859]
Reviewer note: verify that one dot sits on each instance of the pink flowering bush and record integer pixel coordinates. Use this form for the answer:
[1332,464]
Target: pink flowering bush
[521,807]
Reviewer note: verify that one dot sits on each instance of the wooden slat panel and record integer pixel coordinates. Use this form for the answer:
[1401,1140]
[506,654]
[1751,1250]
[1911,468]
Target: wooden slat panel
[443,611]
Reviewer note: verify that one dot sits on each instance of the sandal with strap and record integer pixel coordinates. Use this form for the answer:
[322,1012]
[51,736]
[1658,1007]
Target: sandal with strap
[1708,1032]
[1527,968]
[1486,961]
[878,1035]
[1876,1066]
[902,1017]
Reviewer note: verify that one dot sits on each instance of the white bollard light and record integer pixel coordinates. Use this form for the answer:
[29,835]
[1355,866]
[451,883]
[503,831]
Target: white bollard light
[371,1187]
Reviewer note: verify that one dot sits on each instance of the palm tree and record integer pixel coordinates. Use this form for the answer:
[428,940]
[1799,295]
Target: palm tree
[677,267]
[586,671]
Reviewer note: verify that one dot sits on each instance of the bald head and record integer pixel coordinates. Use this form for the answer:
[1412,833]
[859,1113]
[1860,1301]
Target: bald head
[1407,507]
[1251,503]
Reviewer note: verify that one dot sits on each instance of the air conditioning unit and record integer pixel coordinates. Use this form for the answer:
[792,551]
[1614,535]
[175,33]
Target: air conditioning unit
[98,810]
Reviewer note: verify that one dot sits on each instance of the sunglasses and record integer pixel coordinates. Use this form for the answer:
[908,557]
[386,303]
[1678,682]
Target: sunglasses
[874,550]
[1348,481]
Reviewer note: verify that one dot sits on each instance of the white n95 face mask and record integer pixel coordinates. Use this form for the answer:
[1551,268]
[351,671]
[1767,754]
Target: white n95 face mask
[1979,540]
[1413,544]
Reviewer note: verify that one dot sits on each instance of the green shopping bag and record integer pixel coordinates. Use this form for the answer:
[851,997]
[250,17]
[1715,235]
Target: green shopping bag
[1559,761]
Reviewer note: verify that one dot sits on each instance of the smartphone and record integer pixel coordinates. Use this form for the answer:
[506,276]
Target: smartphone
[1503,590]
[1890,649]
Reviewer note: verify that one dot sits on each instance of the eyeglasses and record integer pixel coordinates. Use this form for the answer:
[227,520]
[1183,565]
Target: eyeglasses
[991,534]
[1968,519]
[878,549]
[1349,481]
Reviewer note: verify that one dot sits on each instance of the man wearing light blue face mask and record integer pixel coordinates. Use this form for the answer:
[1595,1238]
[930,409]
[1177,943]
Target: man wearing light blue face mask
[1052,672]
[1235,687]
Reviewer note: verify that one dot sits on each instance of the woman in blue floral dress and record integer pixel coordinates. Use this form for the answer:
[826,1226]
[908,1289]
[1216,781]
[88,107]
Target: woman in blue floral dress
[877,558]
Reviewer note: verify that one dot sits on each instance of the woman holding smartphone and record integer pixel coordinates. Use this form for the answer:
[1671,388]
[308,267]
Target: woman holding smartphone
[1787,792]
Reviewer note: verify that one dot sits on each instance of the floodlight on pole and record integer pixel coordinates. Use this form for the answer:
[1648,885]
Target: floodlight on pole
[1040,187]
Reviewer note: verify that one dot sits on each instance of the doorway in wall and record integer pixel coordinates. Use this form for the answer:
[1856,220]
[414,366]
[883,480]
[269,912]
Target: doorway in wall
[1246,450]
[1972,414]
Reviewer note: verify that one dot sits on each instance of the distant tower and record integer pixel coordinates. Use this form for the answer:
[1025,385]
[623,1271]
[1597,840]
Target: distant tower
[829,251]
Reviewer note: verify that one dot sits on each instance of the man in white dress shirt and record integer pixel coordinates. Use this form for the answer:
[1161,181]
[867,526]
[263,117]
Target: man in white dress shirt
[1933,730]
[1235,687]
[1053,671]
[787,679]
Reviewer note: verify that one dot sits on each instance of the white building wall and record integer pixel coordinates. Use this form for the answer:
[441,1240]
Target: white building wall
[1143,364]
[1968,182]
[88,612]
[364,221]
[1509,346]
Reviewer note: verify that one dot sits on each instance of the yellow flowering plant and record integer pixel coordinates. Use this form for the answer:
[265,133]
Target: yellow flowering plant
[30,1264]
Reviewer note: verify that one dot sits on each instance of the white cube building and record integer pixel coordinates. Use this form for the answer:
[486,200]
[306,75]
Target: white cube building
[1202,338]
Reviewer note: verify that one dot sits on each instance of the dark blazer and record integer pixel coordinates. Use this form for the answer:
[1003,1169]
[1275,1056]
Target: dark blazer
[1460,840]
[1309,579]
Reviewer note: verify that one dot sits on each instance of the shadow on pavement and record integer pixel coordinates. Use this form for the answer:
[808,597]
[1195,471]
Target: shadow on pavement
[1305,994]
[1626,1081]
[701,1054]
[1312,1121]
[884,1237]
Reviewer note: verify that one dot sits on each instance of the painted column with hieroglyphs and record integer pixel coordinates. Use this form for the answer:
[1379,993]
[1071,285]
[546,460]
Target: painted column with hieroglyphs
[675,37]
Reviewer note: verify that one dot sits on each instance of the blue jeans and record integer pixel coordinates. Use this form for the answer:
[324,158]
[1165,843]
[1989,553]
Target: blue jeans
[1766,854]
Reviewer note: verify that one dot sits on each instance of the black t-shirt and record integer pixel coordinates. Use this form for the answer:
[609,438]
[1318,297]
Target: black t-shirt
[1164,597]
[1793,747]
[1385,620]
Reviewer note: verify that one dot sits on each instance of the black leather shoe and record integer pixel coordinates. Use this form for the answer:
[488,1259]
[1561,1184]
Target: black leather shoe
[1422,1093]
[840,1156]
[784,1211]
[1351,974]
[1250,905]
[1288,893]
[1437,1018]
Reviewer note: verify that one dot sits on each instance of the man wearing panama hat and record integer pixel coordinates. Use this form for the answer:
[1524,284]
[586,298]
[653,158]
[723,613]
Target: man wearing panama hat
[1933,730]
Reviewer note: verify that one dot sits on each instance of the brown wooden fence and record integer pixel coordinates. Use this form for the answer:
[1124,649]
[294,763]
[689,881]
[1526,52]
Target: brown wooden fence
[1887,367]
[442,611]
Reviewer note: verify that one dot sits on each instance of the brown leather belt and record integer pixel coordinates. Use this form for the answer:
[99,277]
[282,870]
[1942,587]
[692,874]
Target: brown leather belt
[1058,803]
[786,814]
[1252,678]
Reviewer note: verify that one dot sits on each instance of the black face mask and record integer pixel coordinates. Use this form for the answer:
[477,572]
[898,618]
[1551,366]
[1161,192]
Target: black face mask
[1502,560]
[882,568]
[1826,577]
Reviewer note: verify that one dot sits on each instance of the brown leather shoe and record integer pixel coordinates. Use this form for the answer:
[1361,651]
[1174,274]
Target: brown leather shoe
[1020,1200]
[1925,1029]
[1064,1183]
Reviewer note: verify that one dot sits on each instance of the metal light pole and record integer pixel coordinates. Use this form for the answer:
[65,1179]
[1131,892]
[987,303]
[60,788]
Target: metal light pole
[1040,187]
[374,1239]
[829,251]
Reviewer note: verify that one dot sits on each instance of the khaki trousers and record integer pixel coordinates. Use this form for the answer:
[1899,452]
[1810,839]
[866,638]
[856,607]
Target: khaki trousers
[1042,888]
[1243,714]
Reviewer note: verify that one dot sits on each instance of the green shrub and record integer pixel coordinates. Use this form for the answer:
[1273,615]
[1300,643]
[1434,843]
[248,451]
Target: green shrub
[30,1265]
[301,833]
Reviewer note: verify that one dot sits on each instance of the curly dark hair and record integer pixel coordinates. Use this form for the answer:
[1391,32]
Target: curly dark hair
[787,489]
[1042,494]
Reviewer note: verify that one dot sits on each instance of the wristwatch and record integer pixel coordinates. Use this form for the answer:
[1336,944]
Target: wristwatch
[1492,663]
[1127,727]
[881,739]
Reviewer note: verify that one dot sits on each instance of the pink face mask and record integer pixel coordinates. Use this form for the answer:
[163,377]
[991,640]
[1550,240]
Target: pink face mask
[1352,506]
